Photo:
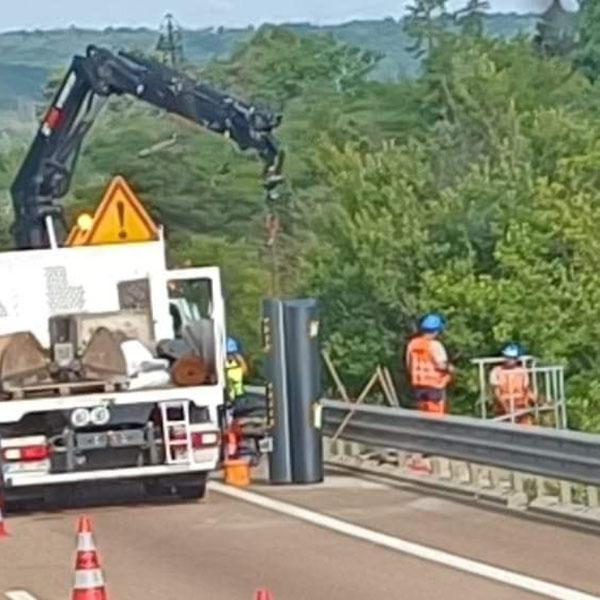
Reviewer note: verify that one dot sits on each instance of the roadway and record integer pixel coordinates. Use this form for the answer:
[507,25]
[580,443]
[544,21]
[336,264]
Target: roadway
[225,547]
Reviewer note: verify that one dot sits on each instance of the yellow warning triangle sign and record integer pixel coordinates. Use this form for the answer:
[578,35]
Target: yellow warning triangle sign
[119,218]
[76,237]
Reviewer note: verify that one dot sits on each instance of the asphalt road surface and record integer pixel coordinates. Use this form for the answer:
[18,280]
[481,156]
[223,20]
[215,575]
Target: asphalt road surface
[347,539]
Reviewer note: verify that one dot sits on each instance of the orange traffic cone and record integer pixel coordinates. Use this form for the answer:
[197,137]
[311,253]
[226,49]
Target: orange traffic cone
[263,594]
[3,532]
[89,580]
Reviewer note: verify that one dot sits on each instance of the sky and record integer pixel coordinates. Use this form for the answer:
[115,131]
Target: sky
[47,14]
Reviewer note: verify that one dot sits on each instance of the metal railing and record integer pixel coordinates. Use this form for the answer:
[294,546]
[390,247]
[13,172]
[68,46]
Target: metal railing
[520,468]
[547,383]
[564,455]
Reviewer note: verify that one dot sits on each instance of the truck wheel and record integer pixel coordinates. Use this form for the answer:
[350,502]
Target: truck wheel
[154,488]
[192,490]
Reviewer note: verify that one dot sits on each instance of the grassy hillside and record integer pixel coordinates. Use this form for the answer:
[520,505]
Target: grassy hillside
[26,57]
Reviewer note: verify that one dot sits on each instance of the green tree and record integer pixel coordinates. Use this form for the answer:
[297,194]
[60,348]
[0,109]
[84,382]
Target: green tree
[471,18]
[10,157]
[279,65]
[587,55]
[369,243]
[473,218]
[483,93]
[555,33]
[425,21]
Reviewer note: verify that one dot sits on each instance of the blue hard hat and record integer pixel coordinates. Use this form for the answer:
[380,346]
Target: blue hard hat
[432,323]
[511,351]
[232,346]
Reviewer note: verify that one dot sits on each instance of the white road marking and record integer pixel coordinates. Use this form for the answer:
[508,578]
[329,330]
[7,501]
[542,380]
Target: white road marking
[504,576]
[19,595]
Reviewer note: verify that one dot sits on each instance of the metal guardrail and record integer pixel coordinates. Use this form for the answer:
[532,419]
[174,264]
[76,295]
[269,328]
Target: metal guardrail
[564,455]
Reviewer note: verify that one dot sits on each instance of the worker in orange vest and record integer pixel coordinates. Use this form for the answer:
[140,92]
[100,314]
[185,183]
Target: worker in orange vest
[429,369]
[511,388]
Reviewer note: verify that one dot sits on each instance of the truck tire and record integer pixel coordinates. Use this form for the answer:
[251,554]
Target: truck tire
[188,488]
[154,488]
[192,490]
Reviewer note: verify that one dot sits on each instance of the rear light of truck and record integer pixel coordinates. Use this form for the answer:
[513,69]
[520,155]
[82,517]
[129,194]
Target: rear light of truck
[199,439]
[204,439]
[26,453]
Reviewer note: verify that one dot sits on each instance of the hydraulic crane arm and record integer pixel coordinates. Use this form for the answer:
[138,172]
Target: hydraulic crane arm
[46,173]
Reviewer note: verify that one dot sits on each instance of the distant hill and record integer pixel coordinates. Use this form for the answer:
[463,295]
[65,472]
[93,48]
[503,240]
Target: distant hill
[27,57]
[19,83]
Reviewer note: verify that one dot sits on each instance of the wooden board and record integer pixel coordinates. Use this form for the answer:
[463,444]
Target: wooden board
[70,388]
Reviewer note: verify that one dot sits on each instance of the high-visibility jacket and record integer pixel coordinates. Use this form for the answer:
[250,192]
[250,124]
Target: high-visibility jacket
[513,387]
[422,368]
[235,379]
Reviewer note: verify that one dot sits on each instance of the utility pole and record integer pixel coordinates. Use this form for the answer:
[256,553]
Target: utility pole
[170,42]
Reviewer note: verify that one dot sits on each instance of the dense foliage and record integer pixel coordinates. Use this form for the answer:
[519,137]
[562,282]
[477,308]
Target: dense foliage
[472,189]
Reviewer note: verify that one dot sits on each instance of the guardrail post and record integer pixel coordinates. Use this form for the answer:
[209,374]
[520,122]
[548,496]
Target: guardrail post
[566,492]
[465,473]
[355,449]
[445,472]
[436,467]
[518,499]
[476,475]
[327,448]
[540,486]
[496,477]
[592,497]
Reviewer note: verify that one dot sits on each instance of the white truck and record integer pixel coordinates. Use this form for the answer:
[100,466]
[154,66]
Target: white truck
[163,435]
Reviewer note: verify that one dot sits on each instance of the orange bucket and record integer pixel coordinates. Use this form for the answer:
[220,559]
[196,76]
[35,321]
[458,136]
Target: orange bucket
[237,472]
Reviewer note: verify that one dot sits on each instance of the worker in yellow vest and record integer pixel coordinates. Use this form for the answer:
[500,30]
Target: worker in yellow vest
[236,369]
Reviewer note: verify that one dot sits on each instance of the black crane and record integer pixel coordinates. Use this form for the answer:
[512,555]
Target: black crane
[46,173]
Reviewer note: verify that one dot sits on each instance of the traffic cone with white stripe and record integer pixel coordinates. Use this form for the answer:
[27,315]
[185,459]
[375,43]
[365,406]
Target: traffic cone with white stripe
[89,579]
[263,594]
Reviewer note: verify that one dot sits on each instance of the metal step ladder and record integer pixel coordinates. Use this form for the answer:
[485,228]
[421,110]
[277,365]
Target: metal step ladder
[178,451]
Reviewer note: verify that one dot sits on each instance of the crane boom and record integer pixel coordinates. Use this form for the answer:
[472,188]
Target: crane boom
[46,173]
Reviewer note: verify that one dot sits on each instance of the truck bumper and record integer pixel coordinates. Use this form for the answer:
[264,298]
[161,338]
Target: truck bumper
[30,480]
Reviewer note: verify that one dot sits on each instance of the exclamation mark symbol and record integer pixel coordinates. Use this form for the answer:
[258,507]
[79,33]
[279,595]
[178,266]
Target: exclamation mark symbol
[121,214]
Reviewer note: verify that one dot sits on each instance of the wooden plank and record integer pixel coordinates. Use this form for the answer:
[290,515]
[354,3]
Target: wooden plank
[61,388]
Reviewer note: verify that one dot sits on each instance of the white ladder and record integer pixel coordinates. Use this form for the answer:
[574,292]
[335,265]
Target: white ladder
[174,453]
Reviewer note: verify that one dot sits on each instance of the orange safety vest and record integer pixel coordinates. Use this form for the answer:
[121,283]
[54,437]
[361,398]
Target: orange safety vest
[513,385]
[422,368]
